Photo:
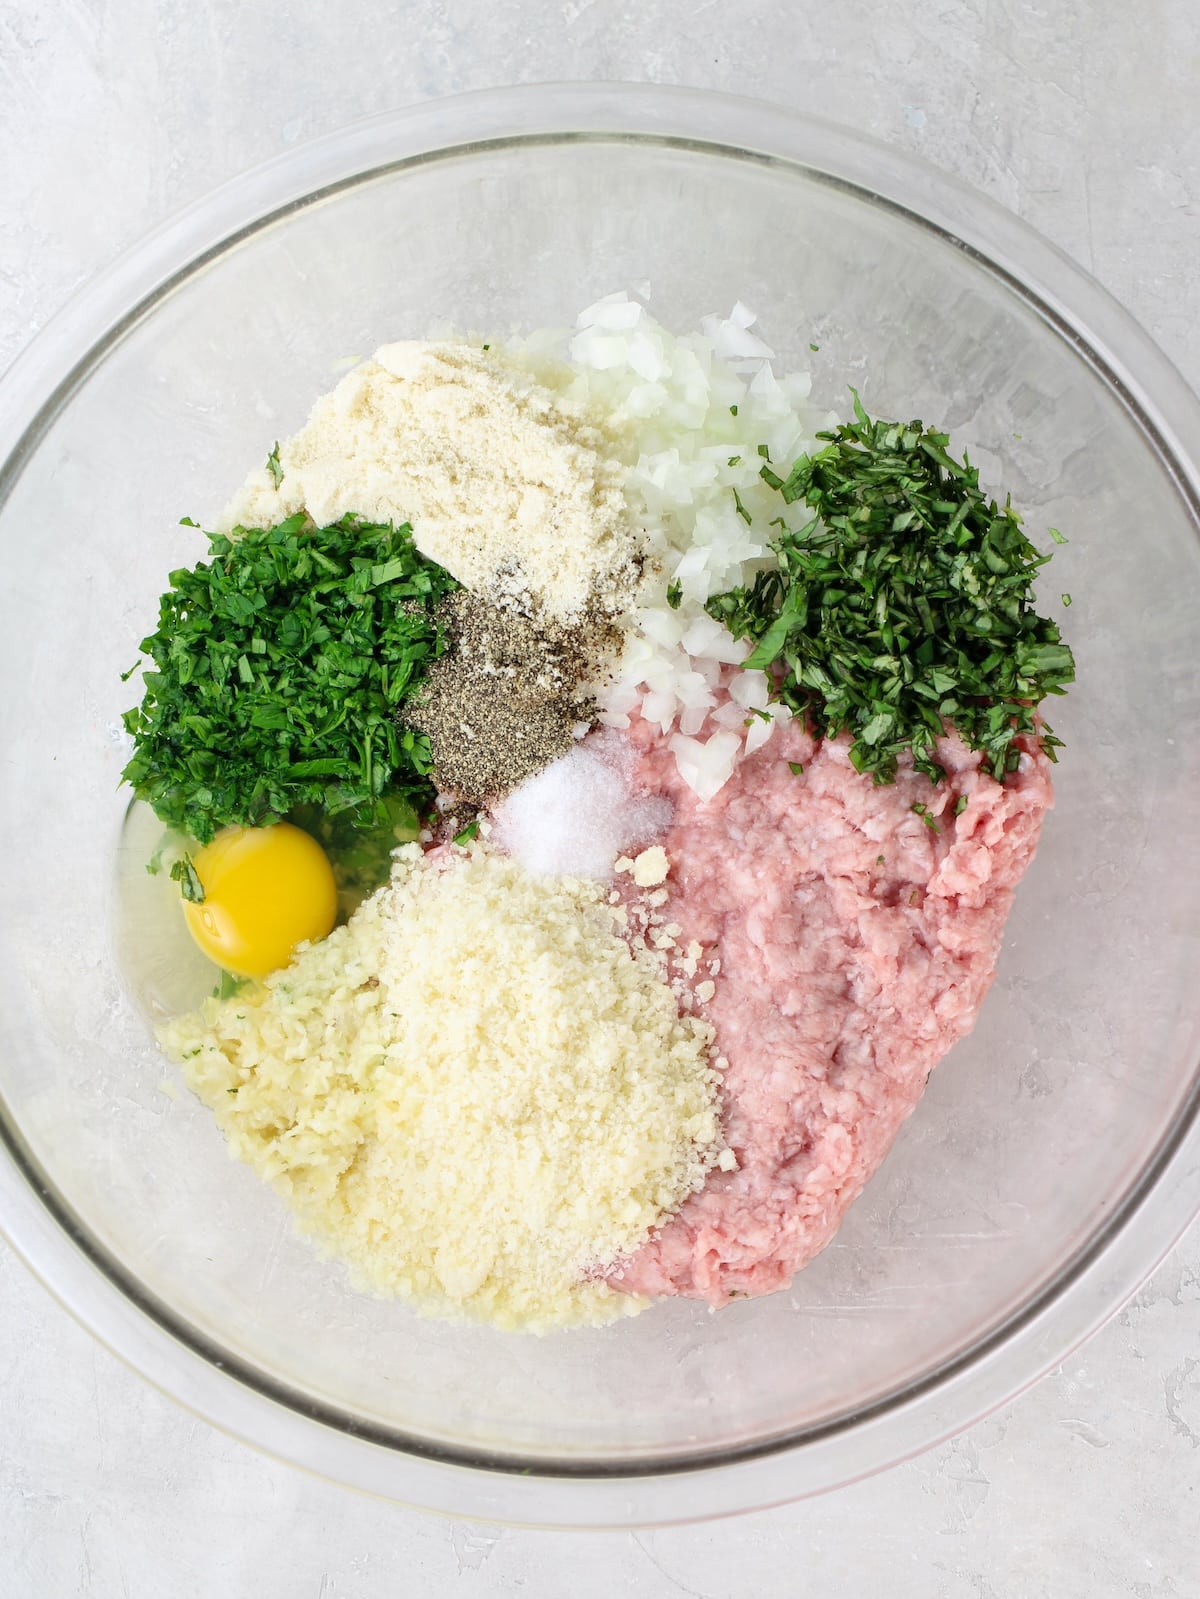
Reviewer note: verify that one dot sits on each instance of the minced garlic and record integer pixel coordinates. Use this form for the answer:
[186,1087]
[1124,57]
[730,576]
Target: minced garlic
[472,1092]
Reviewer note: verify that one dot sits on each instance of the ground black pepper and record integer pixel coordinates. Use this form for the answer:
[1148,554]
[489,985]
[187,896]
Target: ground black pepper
[508,695]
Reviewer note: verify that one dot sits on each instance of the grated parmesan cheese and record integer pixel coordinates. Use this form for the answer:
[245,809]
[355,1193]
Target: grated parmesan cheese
[651,867]
[471,1091]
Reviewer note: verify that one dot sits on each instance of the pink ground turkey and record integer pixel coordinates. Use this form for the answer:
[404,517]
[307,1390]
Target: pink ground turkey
[856,944]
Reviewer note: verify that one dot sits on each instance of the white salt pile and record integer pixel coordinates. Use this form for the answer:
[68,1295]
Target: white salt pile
[576,816]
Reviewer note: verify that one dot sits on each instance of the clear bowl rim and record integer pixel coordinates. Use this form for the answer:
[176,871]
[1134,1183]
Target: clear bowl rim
[94,1288]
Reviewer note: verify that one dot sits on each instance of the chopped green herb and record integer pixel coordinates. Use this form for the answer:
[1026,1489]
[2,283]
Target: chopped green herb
[733,410]
[881,860]
[1066,599]
[764,452]
[187,521]
[470,831]
[273,466]
[339,624]
[674,594]
[487,346]
[960,804]
[926,816]
[185,874]
[1059,538]
[734,460]
[904,603]
[741,509]
[796,768]
[227,988]
[813,346]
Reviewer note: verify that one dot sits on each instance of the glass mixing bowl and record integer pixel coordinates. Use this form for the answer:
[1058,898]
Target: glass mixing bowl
[1054,1158]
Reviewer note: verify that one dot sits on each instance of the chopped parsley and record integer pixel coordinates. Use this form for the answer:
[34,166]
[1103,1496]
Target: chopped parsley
[674,594]
[185,874]
[905,602]
[275,674]
[273,466]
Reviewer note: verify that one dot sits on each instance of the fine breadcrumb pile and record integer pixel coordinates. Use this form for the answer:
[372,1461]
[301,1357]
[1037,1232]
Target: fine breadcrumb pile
[513,488]
[473,1092]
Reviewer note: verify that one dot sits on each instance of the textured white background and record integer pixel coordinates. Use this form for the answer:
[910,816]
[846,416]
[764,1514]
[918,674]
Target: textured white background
[1082,117]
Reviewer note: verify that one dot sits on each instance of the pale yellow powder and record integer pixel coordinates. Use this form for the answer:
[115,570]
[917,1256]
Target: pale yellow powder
[473,1092]
[509,485]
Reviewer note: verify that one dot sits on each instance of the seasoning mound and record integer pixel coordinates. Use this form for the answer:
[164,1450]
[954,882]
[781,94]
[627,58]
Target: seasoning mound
[575,817]
[512,487]
[508,697]
[471,1092]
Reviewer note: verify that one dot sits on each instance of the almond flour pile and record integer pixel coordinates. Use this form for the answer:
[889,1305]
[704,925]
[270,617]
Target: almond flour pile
[514,489]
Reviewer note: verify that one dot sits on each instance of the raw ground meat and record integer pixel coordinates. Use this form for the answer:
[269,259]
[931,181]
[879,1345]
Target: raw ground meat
[856,945]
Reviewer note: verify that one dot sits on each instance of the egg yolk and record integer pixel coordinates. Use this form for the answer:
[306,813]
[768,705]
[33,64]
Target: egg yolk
[266,889]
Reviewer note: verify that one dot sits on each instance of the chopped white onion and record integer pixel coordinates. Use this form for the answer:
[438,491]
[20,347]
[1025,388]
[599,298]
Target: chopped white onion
[695,412]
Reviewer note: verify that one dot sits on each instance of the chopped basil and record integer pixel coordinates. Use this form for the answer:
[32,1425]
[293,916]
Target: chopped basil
[926,816]
[904,603]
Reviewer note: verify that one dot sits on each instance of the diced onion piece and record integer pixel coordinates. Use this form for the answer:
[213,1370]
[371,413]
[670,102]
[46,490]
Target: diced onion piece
[706,767]
[758,733]
[752,690]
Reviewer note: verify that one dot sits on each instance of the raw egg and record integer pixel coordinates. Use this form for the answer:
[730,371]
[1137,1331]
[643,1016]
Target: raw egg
[266,889]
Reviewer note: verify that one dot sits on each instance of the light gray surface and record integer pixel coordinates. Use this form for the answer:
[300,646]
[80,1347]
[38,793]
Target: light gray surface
[114,114]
